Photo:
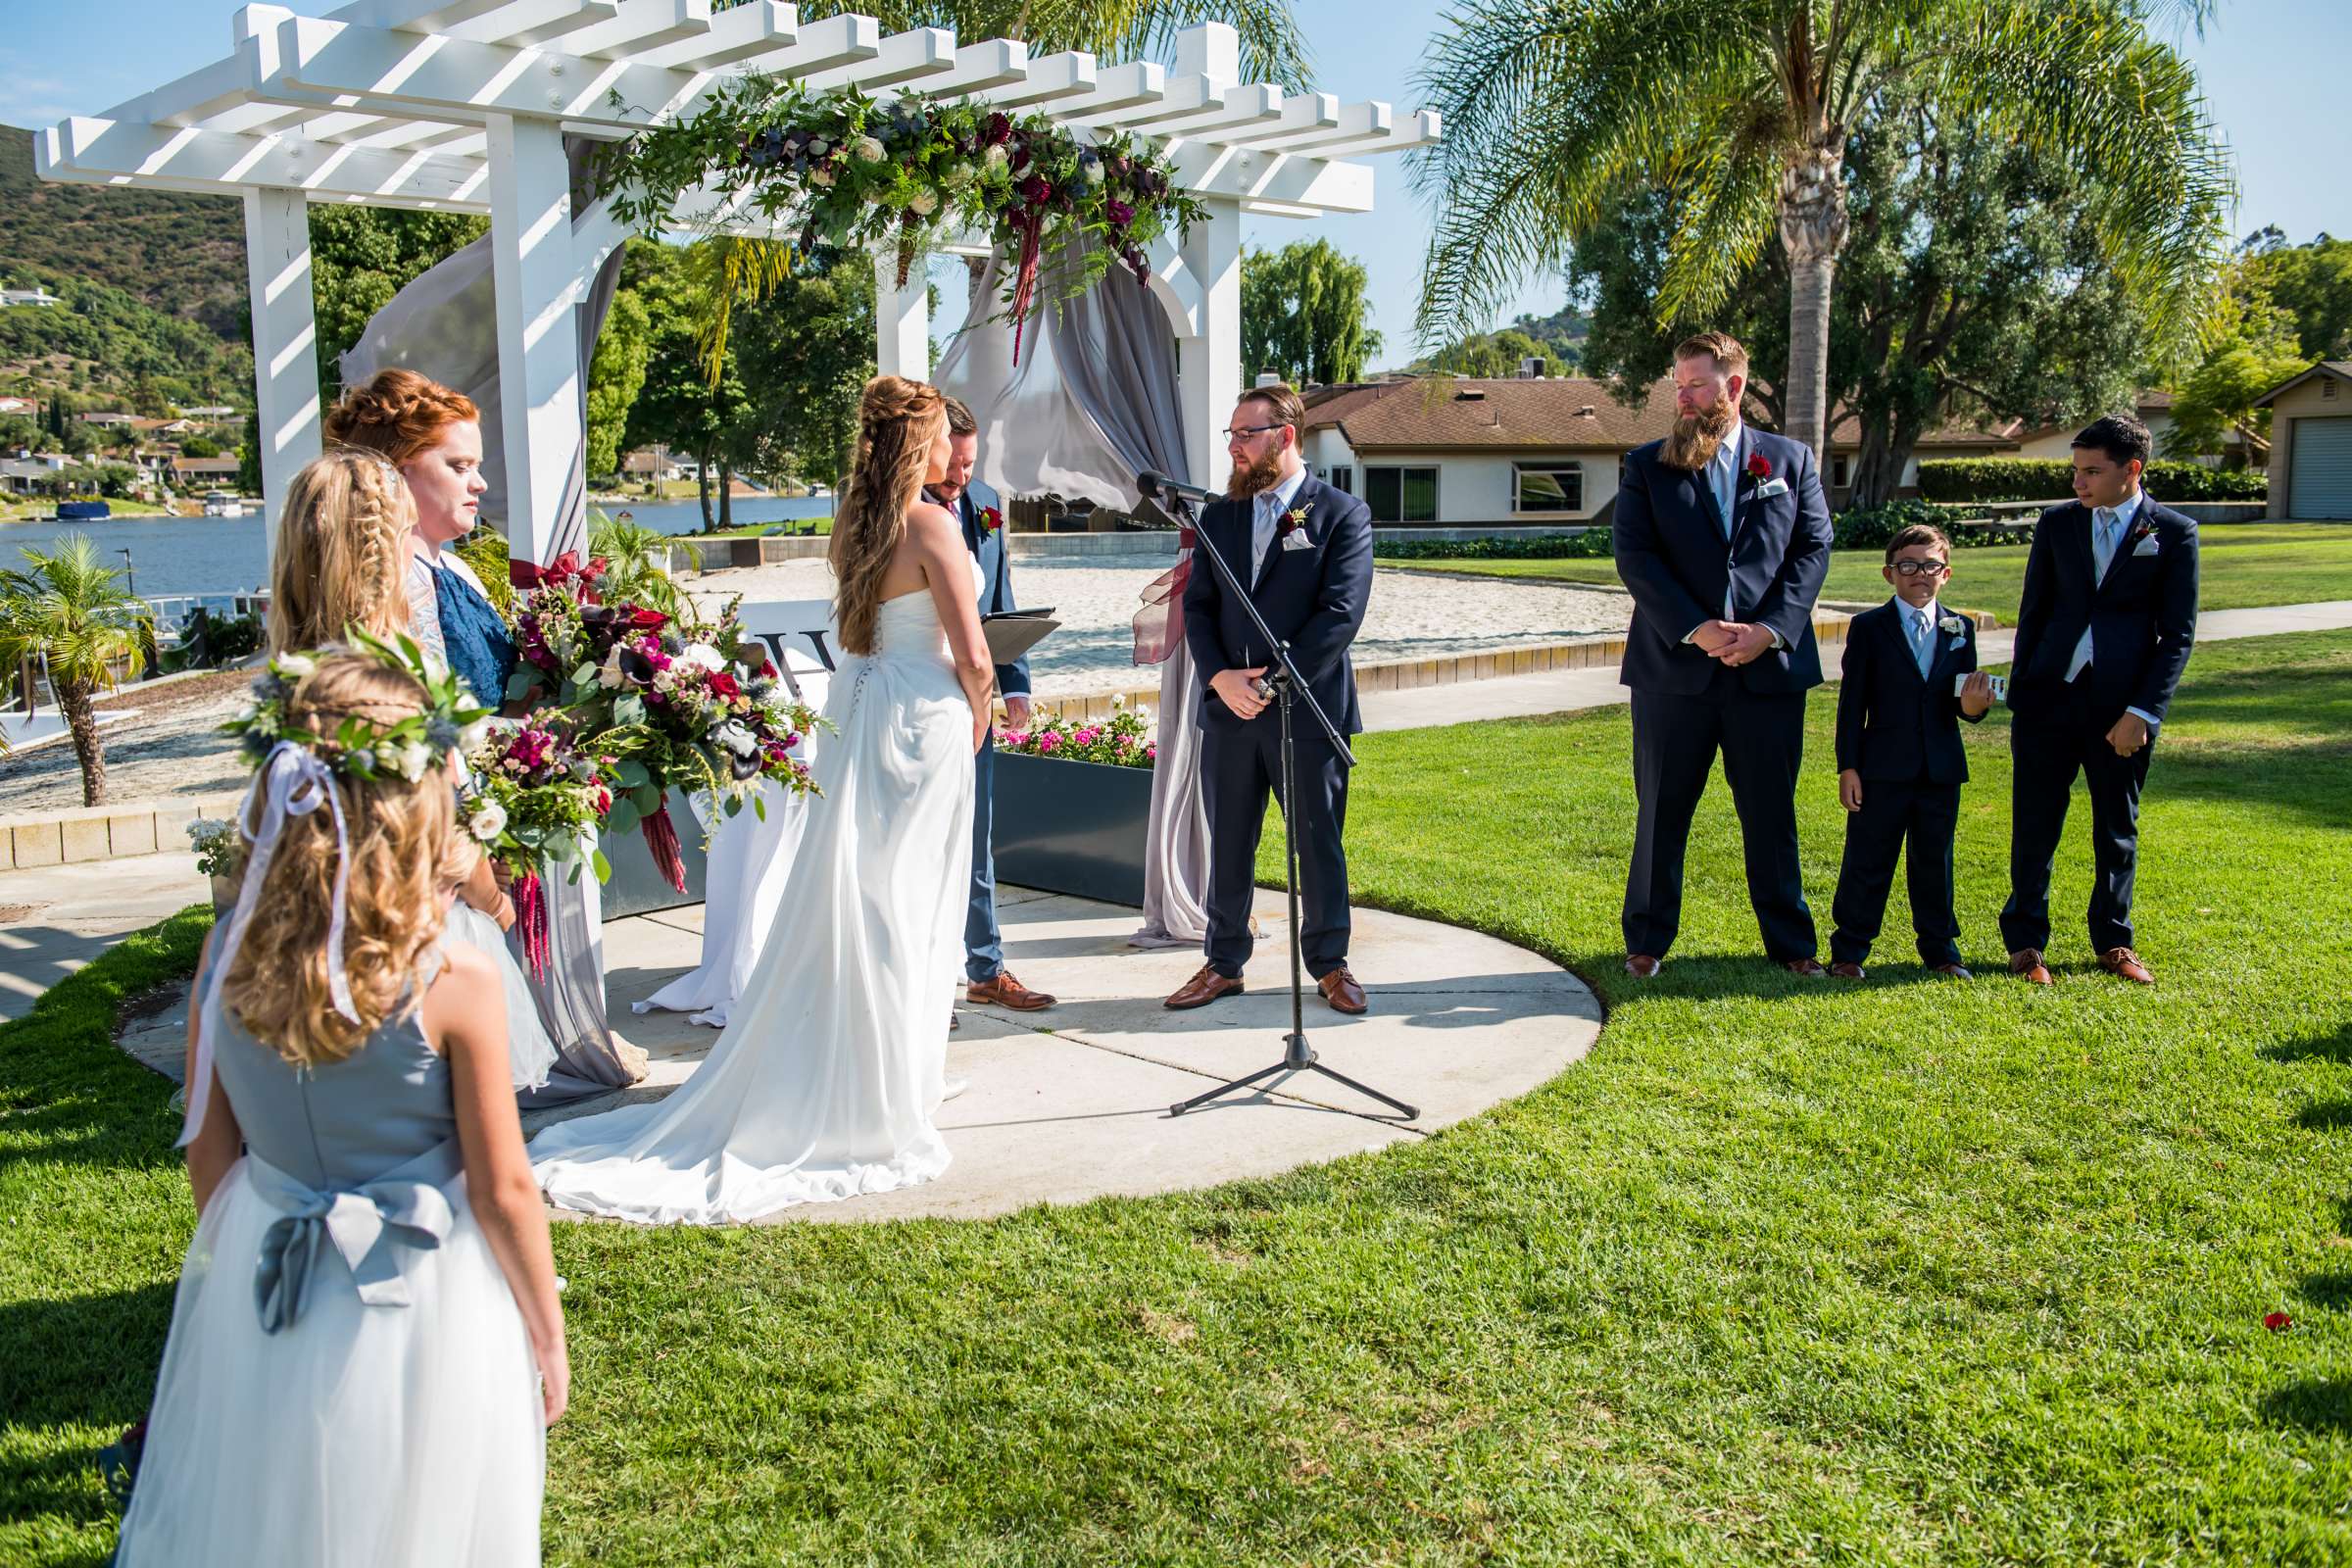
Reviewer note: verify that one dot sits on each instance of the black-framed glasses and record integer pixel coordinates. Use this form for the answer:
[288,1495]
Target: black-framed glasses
[1247,432]
[1920,568]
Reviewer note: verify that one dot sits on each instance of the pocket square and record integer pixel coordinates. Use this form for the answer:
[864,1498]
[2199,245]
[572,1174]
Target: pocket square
[2147,547]
[1770,489]
[1296,539]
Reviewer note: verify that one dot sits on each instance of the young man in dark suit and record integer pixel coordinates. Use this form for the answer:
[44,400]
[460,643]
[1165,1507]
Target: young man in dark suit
[1910,677]
[977,507]
[1722,535]
[1305,550]
[2103,633]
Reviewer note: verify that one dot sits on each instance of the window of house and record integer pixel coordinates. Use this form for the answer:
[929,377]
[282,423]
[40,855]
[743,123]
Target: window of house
[1343,477]
[1538,488]
[1841,472]
[1402,495]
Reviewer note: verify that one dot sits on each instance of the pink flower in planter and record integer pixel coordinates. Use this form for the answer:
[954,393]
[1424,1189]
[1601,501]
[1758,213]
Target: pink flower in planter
[1048,741]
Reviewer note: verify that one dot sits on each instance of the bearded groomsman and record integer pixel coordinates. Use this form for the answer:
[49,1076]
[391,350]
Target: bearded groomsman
[1722,535]
[1305,550]
[2103,633]
[976,506]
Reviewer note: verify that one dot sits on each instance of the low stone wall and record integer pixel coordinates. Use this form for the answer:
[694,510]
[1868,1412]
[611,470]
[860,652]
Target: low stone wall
[106,832]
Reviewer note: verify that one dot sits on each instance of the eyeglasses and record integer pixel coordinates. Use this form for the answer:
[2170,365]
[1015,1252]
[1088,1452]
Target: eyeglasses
[1920,568]
[1236,437]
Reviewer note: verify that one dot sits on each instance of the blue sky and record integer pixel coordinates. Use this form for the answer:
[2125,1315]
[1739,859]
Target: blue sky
[2272,69]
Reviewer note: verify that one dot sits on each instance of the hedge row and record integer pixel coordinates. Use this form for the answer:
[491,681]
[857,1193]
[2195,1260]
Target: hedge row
[1589,543]
[2051,480]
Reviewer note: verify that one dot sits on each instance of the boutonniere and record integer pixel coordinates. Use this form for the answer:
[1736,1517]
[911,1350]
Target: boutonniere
[2143,540]
[1292,530]
[1956,628]
[990,519]
[1757,467]
[1294,519]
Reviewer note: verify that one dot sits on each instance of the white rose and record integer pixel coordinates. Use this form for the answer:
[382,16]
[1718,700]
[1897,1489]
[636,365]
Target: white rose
[294,667]
[610,677]
[702,655]
[1952,624]
[488,822]
[820,178]
[997,157]
[413,760]
[869,149]
[922,202]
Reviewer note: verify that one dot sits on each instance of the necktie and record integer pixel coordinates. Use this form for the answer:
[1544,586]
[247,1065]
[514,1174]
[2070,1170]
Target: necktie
[1264,508]
[2103,542]
[1922,643]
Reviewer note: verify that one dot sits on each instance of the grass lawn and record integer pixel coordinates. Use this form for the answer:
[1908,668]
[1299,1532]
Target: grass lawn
[1785,1272]
[2241,565]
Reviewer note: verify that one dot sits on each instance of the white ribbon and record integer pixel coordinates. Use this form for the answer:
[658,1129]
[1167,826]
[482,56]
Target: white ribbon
[293,781]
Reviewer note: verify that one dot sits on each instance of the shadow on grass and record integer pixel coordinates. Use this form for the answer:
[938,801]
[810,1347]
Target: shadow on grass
[2328,1290]
[2332,1047]
[2317,1404]
[2324,1116]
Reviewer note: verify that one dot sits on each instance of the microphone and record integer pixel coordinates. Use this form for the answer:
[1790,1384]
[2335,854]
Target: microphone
[1152,484]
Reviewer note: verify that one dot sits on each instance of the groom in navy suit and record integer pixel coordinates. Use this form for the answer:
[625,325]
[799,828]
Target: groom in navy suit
[1305,550]
[1722,536]
[976,506]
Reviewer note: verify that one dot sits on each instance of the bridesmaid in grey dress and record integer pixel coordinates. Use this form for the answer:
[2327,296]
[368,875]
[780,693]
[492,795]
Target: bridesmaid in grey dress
[354,1374]
[434,437]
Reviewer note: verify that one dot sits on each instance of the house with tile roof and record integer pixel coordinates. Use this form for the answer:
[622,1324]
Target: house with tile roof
[2311,443]
[1530,452]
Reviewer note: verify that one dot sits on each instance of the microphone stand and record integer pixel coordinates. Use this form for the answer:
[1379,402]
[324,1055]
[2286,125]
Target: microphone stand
[1288,687]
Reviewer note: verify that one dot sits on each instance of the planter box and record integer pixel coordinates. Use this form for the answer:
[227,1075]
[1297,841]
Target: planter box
[1072,827]
[636,887]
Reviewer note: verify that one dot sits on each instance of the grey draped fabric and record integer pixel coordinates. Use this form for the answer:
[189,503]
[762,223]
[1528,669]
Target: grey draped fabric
[1095,402]
[444,325]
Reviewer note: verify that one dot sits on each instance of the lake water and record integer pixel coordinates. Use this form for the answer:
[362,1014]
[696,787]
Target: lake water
[225,555]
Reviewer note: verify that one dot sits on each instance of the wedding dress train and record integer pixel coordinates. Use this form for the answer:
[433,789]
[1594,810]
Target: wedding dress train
[824,1083]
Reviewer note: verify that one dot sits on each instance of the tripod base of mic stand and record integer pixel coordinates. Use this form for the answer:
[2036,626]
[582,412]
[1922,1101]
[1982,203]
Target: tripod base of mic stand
[1297,1058]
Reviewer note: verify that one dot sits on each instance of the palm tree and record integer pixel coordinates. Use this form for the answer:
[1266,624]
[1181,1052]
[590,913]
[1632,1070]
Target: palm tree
[68,610]
[636,563]
[1554,110]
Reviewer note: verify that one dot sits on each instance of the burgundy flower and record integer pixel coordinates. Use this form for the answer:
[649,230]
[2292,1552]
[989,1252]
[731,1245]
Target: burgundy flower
[1757,466]
[997,130]
[1036,189]
[1118,212]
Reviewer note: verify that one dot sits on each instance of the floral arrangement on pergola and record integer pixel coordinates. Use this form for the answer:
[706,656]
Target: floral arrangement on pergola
[853,171]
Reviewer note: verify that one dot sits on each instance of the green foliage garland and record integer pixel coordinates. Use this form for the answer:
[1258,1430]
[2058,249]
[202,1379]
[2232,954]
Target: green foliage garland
[854,171]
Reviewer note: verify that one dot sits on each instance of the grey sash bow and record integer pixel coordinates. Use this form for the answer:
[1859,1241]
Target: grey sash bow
[364,1223]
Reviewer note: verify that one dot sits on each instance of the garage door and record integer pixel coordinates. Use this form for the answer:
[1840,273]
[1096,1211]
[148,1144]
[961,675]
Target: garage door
[2322,469]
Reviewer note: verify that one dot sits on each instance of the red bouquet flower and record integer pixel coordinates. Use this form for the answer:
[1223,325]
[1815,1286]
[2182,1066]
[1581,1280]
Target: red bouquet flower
[990,519]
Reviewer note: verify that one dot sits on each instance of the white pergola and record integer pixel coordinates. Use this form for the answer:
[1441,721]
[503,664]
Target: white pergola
[464,104]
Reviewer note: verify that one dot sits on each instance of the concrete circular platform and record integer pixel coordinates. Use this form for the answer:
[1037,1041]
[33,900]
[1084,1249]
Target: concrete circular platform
[1072,1103]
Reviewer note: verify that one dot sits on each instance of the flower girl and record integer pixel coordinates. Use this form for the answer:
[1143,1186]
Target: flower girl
[350,1377]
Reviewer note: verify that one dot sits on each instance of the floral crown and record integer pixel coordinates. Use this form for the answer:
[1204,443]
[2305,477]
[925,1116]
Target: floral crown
[362,747]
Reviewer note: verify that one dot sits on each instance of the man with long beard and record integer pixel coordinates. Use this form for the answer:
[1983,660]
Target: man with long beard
[1722,536]
[1305,550]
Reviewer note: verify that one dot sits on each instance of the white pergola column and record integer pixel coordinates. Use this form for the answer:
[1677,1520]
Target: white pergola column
[541,380]
[285,342]
[901,319]
[1208,361]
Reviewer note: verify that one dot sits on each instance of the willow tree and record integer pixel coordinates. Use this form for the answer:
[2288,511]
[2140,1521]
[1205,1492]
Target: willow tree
[1741,111]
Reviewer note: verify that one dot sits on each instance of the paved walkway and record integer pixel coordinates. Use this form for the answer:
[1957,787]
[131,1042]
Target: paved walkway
[1570,690]
[1072,1103]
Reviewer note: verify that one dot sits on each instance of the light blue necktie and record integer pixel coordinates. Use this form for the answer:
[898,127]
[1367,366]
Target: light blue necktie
[2109,524]
[1922,643]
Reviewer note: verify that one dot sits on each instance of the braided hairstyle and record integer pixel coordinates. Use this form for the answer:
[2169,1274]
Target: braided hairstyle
[404,851]
[341,558]
[399,414]
[898,420]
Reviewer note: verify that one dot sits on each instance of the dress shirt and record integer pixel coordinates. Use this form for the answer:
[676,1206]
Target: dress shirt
[2109,527]
[1266,512]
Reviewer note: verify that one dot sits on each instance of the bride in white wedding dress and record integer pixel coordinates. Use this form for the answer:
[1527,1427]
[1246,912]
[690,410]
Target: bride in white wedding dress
[826,1081]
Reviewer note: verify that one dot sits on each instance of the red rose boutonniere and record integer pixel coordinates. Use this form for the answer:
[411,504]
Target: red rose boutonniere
[1757,467]
[990,519]
[1293,520]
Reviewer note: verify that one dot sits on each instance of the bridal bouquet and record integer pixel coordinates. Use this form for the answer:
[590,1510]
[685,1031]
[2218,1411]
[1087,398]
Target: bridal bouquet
[534,795]
[669,702]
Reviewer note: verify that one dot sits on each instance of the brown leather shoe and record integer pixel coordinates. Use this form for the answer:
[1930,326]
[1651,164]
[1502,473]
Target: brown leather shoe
[2026,965]
[1204,988]
[1953,971]
[1340,988]
[1002,991]
[1843,970]
[1640,966]
[2125,964]
[1805,968]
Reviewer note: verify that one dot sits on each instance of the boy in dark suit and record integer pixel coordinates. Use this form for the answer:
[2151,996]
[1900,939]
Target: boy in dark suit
[2103,633]
[1910,677]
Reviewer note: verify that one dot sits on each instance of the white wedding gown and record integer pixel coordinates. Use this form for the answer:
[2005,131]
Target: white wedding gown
[749,863]
[824,1083]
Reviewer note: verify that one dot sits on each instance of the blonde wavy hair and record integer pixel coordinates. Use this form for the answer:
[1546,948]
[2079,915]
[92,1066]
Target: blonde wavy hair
[404,853]
[898,420]
[341,557]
